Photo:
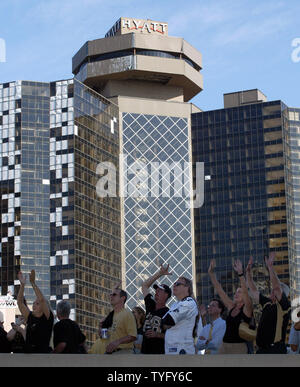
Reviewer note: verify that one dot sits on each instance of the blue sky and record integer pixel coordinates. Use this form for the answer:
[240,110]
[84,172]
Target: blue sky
[245,44]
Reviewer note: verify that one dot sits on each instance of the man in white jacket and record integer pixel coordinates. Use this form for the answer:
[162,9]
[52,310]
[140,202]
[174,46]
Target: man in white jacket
[181,320]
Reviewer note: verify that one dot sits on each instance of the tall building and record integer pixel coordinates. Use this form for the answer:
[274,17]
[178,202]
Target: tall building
[250,151]
[85,228]
[291,135]
[53,136]
[151,77]
[25,185]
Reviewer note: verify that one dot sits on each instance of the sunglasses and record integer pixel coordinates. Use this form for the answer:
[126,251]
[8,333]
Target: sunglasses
[179,283]
[114,294]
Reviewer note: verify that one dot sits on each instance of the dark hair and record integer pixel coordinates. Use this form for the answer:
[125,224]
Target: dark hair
[220,304]
[123,294]
[140,311]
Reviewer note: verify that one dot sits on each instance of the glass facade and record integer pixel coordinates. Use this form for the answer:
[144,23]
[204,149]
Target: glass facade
[157,222]
[62,252]
[24,125]
[10,183]
[292,183]
[244,211]
[133,51]
[35,184]
[85,229]
[52,138]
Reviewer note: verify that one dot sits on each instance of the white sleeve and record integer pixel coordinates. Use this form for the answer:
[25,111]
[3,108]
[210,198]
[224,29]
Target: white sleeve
[200,327]
[182,310]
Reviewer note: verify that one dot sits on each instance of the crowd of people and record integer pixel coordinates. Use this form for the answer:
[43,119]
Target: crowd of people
[183,328]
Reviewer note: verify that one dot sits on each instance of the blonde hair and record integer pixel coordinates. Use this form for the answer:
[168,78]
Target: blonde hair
[189,285]
[141,313]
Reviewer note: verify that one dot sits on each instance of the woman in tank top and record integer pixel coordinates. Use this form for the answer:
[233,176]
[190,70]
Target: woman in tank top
[240,309]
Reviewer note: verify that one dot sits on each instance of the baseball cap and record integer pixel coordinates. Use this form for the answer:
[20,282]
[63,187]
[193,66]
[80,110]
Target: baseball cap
[163,287]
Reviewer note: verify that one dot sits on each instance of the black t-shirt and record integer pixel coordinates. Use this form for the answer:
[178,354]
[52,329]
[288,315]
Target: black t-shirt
[5,346]
[38,333]
[153,322]
[67,331]
[266,331]
[232,327]
[18,343]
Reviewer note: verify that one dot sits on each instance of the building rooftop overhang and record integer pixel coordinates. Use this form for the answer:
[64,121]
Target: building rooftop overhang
[154,58]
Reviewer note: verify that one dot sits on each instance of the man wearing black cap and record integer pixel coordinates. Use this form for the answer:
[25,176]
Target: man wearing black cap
[153,338]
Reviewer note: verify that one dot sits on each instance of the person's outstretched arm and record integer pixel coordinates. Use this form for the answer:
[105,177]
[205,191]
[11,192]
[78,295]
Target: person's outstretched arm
[39,295]
[248,306]
[275,283]
[218,287]
[20,298]
[250,282]
[164,270]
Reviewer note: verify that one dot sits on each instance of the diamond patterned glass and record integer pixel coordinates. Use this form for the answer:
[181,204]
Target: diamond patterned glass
[157,226]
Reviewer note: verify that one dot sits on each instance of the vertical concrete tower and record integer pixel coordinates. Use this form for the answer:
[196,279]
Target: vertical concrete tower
[151,77]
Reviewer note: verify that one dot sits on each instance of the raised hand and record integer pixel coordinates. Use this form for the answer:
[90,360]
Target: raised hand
[238,266]
[164,270]
[269,261]
[249,266]
[22,278]
[202,310]
[32,277]
[118,285]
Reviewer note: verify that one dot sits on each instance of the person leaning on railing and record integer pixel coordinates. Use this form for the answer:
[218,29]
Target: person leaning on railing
[120,328]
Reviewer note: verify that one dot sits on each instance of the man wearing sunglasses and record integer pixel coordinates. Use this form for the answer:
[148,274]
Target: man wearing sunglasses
[181,320]
[120,326]
[153,337]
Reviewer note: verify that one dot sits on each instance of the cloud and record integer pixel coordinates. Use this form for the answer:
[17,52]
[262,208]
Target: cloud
[231,22]
[251,31]
[200,17]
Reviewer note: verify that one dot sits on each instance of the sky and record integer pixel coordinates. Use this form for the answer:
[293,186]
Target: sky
[245,44]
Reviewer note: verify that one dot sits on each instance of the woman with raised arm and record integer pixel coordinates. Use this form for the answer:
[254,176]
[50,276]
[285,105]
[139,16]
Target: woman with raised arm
[275,315]
[39,322]
[240,309]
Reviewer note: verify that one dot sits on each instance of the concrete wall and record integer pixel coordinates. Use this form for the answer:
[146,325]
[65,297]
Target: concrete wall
[132,361]
[140,89]
[243,98]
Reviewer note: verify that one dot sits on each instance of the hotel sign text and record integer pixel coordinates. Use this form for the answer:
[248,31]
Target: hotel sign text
[127,25]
